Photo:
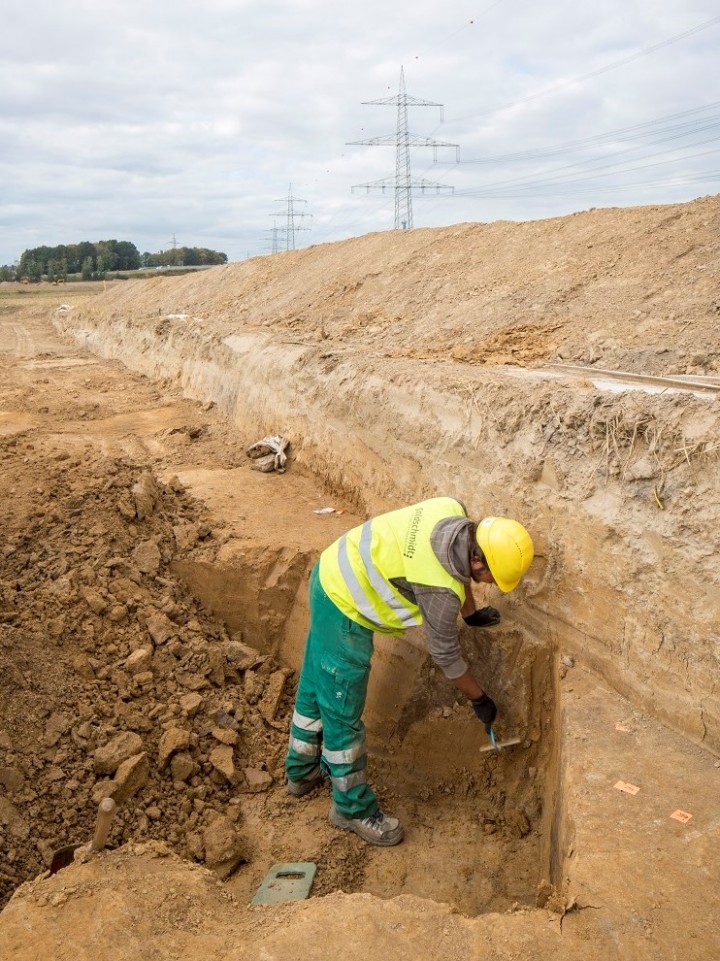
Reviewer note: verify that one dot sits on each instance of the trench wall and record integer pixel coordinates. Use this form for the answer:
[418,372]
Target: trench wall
[630,589]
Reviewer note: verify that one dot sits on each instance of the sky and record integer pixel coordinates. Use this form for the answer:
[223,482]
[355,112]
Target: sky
[232,124]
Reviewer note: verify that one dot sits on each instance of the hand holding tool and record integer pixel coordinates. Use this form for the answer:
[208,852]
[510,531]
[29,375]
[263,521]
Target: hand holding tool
[485,710]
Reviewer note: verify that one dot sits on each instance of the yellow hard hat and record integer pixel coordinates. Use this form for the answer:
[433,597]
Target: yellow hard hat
[508,550]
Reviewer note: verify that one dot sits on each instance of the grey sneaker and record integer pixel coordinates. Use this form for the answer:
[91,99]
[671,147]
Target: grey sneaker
[306,784]
[375,829]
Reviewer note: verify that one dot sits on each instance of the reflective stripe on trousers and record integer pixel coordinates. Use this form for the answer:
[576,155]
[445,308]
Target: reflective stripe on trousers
[327,721]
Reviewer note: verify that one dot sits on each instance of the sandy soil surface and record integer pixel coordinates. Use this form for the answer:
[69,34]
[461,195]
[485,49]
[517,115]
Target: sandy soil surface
[474,361]
[117,682]
[132,667]
[627,289]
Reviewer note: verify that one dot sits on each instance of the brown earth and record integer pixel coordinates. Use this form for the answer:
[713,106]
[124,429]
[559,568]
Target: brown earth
[152,595]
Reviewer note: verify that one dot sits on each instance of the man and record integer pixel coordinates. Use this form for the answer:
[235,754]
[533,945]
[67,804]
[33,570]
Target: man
[403,568]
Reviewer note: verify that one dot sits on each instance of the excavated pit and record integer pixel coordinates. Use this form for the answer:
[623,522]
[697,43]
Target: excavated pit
[140,550]
[479,825]
[153,585]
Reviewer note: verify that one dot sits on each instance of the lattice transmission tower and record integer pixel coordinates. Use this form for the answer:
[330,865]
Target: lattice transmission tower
[275,245]
[292,223]
[403,140]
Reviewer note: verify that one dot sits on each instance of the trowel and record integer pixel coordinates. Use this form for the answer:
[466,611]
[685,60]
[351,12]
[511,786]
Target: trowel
[64,856]
[498,746]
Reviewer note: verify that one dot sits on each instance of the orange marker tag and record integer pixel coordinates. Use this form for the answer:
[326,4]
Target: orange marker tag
[627,788]
[681,816]
[623,728]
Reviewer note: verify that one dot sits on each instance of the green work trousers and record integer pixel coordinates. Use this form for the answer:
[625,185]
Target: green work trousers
[327,725]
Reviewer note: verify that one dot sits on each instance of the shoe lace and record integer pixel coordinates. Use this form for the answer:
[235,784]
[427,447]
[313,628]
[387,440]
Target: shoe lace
[375,820]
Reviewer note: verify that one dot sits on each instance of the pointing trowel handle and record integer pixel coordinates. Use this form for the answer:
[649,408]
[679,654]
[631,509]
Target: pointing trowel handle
[106,810]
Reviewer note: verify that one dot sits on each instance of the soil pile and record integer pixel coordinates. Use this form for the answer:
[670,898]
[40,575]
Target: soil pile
[115,682]
[631,289]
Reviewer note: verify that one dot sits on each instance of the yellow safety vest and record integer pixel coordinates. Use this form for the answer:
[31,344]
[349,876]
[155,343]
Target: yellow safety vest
[356,571]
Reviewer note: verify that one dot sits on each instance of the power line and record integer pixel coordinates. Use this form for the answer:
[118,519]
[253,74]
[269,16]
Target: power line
[558,174]
[548,179]
[612,65]
[620,135]
[496,190]
[575,188]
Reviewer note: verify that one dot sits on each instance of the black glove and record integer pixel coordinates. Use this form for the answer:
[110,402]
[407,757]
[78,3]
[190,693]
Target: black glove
[485,710]
[485,617]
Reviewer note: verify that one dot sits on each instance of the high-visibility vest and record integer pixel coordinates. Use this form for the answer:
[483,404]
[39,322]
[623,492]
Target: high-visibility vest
[356,571]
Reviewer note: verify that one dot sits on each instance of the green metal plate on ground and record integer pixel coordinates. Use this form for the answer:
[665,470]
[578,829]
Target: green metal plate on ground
[286,882]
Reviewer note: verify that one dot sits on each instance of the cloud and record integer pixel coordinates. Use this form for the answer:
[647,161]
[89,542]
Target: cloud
[141,122]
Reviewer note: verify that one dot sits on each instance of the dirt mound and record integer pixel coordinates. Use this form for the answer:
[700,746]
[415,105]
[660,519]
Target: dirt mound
[116,683]
[630,289]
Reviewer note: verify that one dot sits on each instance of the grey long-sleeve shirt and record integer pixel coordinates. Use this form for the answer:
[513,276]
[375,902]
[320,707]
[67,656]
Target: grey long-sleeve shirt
[440,606]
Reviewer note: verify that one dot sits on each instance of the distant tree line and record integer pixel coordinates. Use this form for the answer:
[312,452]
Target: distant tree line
[87,259]
[184,257]
[93,261]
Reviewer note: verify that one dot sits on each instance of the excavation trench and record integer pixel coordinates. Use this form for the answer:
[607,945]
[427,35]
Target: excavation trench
[370,431]
[139,550]
[482,828]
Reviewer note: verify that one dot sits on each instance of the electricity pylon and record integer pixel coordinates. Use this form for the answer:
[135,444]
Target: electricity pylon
[403,140]
[290,228]
[275,231]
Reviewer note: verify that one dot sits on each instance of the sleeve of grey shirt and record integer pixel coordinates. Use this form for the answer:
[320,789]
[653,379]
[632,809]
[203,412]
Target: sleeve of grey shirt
[440,608]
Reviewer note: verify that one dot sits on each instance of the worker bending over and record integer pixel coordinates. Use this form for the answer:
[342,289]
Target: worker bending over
[407,567]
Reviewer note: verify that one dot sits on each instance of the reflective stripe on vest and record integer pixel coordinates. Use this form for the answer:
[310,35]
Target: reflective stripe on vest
[353,585]
[356,571]
[397,604]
